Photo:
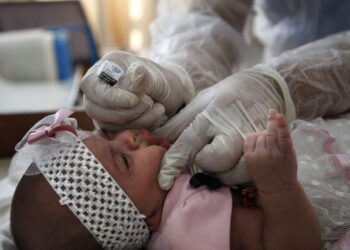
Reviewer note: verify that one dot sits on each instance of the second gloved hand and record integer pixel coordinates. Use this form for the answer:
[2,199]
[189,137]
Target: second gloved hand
[144,96]
[217,120]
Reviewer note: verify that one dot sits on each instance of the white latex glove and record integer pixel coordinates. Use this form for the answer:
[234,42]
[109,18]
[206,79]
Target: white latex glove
[227,112]
[317,76]
[143,97]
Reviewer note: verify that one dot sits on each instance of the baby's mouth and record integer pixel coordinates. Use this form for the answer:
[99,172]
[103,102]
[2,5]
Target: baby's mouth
[150,139]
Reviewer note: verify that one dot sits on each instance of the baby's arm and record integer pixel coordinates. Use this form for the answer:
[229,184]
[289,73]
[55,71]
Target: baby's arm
[289,221]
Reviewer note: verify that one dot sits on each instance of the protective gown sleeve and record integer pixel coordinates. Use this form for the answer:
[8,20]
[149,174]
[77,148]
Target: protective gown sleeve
[204,37]
[318,76]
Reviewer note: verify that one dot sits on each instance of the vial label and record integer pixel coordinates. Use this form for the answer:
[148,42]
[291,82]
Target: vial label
[110,72]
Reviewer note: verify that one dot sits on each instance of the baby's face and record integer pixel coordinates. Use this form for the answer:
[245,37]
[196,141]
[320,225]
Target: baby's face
[132,157]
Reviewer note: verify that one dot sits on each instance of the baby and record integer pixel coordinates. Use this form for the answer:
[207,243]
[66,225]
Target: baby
[69,199]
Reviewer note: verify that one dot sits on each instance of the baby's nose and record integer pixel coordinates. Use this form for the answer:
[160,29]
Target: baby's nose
[133,143]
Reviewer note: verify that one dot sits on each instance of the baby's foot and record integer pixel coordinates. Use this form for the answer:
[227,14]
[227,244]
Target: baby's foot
[270,157]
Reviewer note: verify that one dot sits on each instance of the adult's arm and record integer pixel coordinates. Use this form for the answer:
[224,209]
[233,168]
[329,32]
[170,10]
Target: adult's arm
[318,76]
[307,82]
[195,44]
[204,37]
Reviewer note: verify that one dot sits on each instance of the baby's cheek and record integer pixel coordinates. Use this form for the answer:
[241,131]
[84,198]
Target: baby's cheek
[150,160]
[157,152]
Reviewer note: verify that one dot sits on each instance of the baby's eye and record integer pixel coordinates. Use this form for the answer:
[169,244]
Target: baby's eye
[125,161]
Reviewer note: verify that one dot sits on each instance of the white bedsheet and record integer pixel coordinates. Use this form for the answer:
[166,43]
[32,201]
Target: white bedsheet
[7,187]
[307,153]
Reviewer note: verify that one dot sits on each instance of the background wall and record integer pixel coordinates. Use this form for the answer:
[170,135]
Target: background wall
[121,24]
[117,24]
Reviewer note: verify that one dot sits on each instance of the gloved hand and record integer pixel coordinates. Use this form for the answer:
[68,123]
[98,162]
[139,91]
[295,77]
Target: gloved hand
[144,95]
[317,75]
[227,112]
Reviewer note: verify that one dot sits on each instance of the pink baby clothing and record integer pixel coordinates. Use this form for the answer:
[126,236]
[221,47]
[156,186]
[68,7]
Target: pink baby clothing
[194,218]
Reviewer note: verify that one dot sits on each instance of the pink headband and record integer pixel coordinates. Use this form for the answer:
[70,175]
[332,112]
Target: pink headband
[49,130]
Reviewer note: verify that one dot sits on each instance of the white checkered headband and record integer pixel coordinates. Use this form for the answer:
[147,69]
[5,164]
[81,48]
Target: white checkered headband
[90,192]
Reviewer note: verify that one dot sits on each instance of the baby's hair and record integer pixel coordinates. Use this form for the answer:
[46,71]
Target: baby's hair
[38,221]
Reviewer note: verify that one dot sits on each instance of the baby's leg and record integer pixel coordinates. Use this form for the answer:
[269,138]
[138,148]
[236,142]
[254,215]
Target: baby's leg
[270,157]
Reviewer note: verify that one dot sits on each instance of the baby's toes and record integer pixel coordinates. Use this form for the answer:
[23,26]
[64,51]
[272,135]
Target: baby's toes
[283,135]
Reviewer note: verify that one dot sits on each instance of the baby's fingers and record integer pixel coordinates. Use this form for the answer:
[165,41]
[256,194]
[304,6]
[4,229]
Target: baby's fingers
[271,130]
[283,134]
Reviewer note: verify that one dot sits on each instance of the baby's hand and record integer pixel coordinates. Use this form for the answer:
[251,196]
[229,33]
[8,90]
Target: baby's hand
[270,157]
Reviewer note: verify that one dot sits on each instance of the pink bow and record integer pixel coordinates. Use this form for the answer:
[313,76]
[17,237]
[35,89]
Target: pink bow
[49,131]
